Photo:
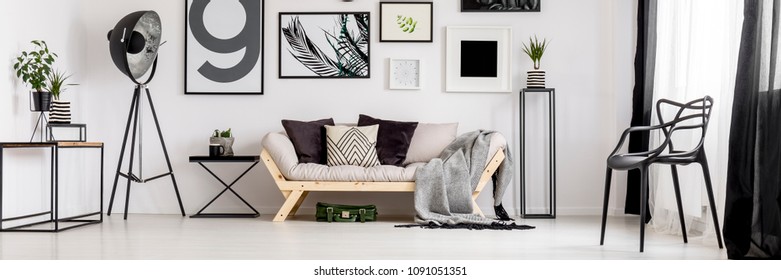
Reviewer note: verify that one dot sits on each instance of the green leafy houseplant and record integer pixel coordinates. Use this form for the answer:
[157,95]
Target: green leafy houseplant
[535,50]
[34,66]
[57,83]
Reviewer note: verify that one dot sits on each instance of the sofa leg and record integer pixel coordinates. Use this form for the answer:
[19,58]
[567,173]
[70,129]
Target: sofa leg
[298,204]
[476,209]
[290,202]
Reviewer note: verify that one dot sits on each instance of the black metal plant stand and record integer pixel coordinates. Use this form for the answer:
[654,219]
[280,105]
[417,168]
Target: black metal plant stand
[42,122]
[254,159]
[135,109]
[551,94]
[42,105]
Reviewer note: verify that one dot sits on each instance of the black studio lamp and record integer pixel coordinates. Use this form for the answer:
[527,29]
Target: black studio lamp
[134,43]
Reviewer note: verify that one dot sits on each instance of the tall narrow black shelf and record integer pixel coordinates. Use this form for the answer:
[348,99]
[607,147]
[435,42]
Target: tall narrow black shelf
[551,95]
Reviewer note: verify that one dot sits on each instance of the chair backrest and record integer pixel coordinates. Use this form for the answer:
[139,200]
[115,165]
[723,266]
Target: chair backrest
[694,114]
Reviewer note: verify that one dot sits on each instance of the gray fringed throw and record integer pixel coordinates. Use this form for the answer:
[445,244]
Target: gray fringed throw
[444,186]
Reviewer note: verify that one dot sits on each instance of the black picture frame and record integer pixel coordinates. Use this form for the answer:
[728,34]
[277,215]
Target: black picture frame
[196,51]
[383,19]
[472,6]
[318,34]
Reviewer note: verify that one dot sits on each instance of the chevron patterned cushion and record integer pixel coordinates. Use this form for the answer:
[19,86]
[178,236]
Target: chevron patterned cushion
[352,145]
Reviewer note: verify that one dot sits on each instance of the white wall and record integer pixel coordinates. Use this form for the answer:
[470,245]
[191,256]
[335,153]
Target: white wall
[26,174]
[589,62]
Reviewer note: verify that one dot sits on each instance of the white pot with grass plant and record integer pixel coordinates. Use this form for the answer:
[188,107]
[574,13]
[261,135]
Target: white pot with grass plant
[225,139]
[61,109]
[535,49]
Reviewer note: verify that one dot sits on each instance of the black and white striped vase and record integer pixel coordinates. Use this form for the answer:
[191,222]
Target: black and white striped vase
[535,78]
[60,112]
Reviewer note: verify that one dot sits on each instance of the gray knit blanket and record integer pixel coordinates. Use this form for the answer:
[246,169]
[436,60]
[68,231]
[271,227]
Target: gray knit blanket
[444,186]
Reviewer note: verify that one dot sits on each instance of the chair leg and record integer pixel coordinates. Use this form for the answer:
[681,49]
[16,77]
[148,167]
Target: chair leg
[643,204]
[608,176]
[709,188]
[677,187]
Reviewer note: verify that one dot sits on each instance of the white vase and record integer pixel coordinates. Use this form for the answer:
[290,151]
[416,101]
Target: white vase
[60,112]
[535,78]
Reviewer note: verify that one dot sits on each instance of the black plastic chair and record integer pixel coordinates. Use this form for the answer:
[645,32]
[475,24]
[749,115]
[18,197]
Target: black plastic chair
[692,115]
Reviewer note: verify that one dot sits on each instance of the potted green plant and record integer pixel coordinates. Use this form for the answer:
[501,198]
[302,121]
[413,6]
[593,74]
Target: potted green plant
[535,78]
[223,138]
[60,112]
[34,67]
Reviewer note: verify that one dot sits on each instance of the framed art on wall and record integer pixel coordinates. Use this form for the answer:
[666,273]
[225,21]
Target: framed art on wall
[224,47]
[406,22]
[324,45]
[500,6]
[478,59]
[404,74]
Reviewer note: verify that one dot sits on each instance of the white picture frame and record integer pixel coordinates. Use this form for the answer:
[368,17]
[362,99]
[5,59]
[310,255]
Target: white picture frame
[404,74]
[499,80]
[212,68]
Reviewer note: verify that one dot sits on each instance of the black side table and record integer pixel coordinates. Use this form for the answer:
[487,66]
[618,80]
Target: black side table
[254,159]
[551,94]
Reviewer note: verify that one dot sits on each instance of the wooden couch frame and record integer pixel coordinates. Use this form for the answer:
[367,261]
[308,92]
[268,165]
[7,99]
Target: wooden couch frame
[296,191]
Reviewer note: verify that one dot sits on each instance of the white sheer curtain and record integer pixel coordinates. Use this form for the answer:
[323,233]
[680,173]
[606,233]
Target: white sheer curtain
[697,50]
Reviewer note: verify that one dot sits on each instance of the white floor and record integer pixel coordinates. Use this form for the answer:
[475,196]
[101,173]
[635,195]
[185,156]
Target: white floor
[173,237]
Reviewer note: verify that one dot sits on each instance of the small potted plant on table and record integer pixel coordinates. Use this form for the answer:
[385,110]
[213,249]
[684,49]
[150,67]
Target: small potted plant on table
[223,138]
[61,109]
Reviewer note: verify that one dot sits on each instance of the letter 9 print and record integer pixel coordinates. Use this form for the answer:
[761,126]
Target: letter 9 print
[224,47]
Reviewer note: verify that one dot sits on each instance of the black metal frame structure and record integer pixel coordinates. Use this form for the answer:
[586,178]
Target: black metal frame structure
[135,109]
[82,131]
[42,122]
[283,48]
[551,93]
[53,212]
[254,159]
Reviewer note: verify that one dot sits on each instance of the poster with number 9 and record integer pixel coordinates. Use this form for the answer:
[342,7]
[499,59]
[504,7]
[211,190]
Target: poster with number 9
[224,47]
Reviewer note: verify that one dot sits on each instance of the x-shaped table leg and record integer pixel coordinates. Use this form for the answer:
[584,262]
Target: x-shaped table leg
[227,188]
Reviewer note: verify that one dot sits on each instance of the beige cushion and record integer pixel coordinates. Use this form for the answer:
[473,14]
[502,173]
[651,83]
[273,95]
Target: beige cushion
[429,140]
[352,145]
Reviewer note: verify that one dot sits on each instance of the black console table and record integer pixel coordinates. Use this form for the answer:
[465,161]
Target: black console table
[253,159]
[551,96]
[54,220]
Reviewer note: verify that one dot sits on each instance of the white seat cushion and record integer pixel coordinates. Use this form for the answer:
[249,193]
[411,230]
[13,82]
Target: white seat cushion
[282,152]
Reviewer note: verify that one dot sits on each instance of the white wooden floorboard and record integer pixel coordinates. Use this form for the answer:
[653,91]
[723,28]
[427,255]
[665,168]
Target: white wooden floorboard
[155,237]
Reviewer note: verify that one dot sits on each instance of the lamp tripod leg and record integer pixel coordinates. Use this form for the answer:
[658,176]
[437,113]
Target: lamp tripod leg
[122,151]
[132,157]
[165,151]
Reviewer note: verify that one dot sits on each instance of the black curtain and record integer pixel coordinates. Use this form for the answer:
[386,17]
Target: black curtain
[752,222]
[642,96]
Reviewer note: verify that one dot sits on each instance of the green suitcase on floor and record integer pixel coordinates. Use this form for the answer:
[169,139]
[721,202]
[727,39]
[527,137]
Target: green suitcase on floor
[345,213]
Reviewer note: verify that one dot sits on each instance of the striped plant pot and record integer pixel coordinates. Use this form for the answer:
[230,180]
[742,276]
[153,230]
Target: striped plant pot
[535,78]
[61,112]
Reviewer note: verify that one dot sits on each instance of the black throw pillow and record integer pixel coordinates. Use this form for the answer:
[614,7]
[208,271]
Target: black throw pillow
[308,139]
[393,139]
